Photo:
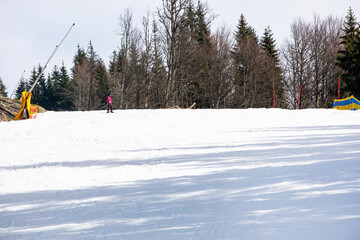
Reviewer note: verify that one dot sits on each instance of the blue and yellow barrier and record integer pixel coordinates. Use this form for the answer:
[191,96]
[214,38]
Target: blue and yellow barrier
[350,103]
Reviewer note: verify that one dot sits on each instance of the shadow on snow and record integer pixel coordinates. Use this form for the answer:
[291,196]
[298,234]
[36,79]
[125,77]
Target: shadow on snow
[276,190]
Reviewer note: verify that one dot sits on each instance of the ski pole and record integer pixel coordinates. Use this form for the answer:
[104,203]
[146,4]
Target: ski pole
[103,106]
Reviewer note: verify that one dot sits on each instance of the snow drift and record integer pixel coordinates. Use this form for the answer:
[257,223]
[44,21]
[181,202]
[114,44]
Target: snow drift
[181,174]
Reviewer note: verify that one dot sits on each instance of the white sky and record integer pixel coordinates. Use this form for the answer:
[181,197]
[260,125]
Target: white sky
[30,29]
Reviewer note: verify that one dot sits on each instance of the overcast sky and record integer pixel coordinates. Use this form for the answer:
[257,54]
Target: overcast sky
[30,29]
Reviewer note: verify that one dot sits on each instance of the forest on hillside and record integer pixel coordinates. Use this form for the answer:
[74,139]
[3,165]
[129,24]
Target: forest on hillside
[174,59]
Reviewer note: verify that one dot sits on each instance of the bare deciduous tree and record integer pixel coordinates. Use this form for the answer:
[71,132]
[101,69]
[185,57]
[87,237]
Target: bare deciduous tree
[170,16]
[253,76]
[222,74]
[309,61]
[325,45]
[129,36]
[81,83]
[296,54]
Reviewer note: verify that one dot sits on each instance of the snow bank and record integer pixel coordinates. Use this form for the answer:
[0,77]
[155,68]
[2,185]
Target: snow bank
[181,174]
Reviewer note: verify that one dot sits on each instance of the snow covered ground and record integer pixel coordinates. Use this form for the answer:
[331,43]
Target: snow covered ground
[257,174]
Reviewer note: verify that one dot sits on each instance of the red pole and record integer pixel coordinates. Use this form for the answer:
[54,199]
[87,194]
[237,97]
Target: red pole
[274,99]
[299,98]
[339,94]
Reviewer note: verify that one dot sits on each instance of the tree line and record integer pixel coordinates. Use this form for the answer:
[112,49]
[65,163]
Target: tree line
[174,59]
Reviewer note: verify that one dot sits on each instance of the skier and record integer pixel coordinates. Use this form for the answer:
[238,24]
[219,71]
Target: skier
[109,102]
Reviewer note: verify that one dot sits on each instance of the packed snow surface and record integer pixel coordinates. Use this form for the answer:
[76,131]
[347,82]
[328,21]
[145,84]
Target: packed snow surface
[256,174]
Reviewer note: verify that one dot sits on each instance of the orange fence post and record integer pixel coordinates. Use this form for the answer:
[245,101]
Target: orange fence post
[274,99]
[339,94]
[299,98]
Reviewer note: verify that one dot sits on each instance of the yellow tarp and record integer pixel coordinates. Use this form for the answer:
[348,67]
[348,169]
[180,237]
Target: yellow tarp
[27,110]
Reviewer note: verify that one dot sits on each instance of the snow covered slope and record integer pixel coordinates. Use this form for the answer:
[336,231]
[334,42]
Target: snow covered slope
[257,174]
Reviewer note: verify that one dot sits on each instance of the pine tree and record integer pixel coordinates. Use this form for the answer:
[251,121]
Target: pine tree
[53,90]
[113,64]
[23,86]
[115,76]
[245,38]
[202,30]
[267,43]
[80,80]
[79,57]
[65,91]
[356,67]
[92,58]
[244,31]
[157,83]
[133,83]
[189,17]
[85,79]
[2,89]
[256,70]
[49,97]
[103,82]
[39,89]
[348,58]
[205,59]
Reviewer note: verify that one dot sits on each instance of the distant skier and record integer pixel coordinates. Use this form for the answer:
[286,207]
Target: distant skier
[109,103]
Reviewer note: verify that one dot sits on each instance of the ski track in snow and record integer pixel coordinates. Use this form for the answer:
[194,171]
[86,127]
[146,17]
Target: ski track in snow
[258,174]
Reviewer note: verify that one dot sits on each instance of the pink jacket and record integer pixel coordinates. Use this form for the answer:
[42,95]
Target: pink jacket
[109,99]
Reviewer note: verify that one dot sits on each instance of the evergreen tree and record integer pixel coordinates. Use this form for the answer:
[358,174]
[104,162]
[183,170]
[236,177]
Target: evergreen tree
[267,43]
[348,57]
[21,88]
[80,80]
[244,31]
[52,94]
[115,67]
[157,83]
[189,17]
[85,79]
[201,89]
[113,64]
[133,83]
[2,89]
[39,89]
[103,82]
[65,91]
[92,59]
[79,58]
[256,74]
[49,96]
[115,76]
[202,30]
[356,69]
